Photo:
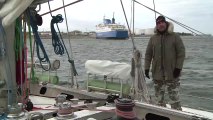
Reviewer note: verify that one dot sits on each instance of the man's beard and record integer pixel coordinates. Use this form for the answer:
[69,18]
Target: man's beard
[162,32]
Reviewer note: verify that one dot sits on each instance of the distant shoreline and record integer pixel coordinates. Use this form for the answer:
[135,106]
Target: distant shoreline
[67,37]
[94,37]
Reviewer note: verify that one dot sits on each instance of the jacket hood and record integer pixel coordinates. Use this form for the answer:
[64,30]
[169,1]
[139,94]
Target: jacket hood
[169,30]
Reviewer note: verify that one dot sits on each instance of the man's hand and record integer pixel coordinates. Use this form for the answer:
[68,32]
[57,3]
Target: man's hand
[176,72]
[147,73]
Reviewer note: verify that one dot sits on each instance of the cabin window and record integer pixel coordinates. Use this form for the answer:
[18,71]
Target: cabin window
[151,116]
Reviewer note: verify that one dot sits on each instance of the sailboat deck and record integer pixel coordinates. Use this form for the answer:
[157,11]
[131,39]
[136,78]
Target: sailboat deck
[105,112]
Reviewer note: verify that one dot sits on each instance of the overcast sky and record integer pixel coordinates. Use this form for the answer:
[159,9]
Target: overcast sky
[84,15]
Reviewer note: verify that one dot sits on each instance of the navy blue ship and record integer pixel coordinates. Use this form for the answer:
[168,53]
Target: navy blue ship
[111,30]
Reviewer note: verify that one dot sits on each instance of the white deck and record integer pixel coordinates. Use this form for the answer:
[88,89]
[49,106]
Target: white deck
[186,114]
[47,105]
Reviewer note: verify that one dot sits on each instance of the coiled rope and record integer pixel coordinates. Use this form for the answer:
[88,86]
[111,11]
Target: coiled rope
[125,109]
[39,44]
[59,46]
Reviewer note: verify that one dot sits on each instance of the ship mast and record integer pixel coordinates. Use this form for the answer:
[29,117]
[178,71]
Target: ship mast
[113,19]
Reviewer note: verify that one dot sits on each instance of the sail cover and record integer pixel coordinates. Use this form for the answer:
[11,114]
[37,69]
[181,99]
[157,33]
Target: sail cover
[108,68]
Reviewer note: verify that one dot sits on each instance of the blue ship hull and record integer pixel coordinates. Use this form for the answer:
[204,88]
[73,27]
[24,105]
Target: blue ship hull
[112,35]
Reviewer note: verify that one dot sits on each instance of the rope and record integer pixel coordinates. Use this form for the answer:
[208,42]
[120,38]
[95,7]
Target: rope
[128,115]
[21,67]
[57,45]
[26,87]
[32,72]
[39,43]
[125,109]
[18,51]
[20,54]
[180,24]
[59,48]
[132,38]
[17,45]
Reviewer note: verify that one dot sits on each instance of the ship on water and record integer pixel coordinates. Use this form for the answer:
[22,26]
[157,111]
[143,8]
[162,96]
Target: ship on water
[111,30]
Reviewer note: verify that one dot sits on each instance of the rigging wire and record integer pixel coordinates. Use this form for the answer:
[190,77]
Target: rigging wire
[61,7]
[67,29]
[132,38]
[181,24]
[133,17]
[154,9]
[131,14]
[71,65]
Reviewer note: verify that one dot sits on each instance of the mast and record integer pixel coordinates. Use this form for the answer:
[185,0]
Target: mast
[113,19]
[7,70]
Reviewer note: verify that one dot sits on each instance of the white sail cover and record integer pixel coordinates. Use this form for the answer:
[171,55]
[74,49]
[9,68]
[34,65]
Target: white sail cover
[108,68]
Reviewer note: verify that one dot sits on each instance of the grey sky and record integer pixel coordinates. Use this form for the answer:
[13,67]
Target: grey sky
[197,14]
